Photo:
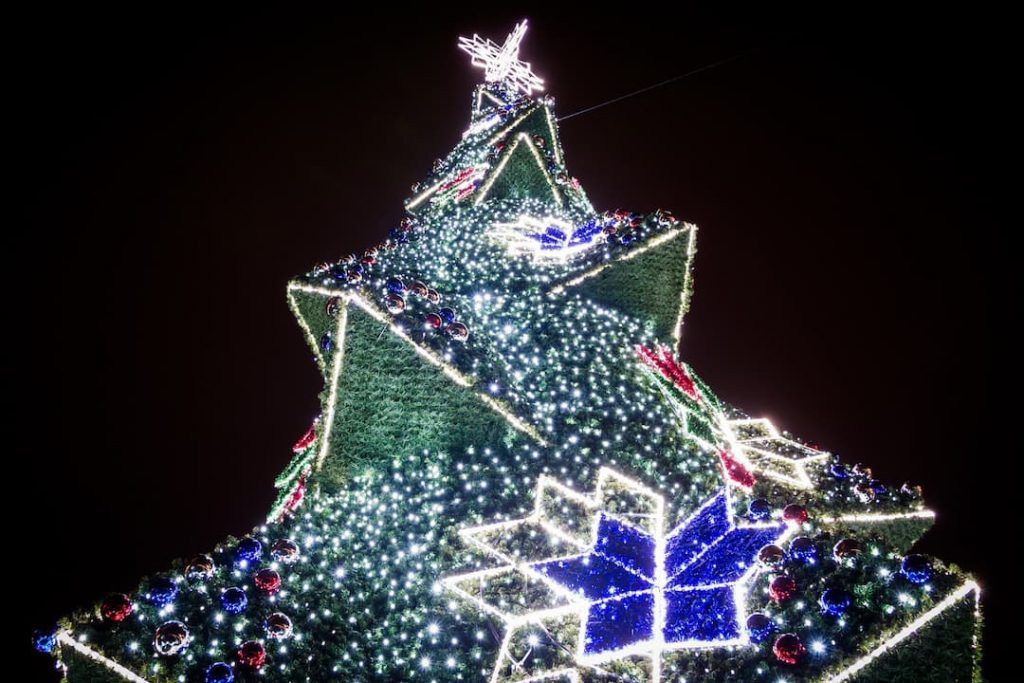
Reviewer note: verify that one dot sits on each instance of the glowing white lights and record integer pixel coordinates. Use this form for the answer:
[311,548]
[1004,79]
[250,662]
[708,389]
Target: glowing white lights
[544,238]
[335,371]
[501,63]
[763,448]
[65,638]
[909,630]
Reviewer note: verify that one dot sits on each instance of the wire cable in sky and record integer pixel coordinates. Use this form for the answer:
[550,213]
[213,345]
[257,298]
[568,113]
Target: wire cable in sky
[680,77]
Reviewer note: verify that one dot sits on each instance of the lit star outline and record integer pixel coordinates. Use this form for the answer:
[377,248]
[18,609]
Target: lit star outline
[564,602]
[501,63]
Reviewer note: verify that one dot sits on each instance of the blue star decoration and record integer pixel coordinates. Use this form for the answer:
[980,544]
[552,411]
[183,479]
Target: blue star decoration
[635,589]
[686,590]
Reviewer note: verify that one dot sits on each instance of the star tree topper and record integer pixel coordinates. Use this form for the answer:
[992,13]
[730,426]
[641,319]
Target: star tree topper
[501,63]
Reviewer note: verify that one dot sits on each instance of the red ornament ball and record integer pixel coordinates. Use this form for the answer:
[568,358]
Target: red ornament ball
[171,638]
[278,626]
[458,332]
[395,303]
[201,568]
[432,321]
[433,296]
[252,654]
[846,549]
[116,607]
[285,550]
[794,514]
[864,492]
[782,588]
[418,288]
[771,555]
[267,581]
[332,306]
[788,649]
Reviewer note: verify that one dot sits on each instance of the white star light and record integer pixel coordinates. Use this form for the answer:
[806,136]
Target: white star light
[501,63]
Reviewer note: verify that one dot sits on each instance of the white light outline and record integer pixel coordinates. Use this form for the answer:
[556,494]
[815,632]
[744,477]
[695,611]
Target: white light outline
[869,517]
[502,63]
[910,629]
[339,355]
[65,638]
[654,646]
[482,92]
[418,199]
[687,291]
[554,135]
[742,448]
[560,288]
[520,137]
[294,305]
[350,297]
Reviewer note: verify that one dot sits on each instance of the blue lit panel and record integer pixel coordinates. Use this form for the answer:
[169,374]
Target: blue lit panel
[704,529]
[615,624]
[729,558]
[625,544]
[592,576]
[706,614]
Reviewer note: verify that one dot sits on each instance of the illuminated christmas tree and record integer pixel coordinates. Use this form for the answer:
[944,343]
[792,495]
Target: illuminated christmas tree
[515,478]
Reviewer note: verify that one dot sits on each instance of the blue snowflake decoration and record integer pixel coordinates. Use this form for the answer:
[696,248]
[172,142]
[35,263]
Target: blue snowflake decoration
[557,237]
[549,238]
[645,594]
[633,588]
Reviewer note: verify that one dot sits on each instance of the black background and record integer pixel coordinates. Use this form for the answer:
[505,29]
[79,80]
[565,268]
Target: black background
[175,169]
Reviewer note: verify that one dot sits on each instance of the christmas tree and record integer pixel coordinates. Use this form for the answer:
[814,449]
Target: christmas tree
[515,478]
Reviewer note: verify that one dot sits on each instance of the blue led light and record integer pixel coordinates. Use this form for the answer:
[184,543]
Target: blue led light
[593,576]
[703,615]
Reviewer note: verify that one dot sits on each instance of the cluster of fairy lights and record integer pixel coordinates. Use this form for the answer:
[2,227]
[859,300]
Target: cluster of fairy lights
[377,587]
[368,587]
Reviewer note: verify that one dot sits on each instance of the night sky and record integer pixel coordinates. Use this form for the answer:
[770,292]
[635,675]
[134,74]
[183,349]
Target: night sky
[173,171]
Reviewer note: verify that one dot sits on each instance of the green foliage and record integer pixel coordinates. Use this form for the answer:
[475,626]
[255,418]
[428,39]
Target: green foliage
[943,651]
[651,287]
[522,177]
[391,401]
[310,308]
